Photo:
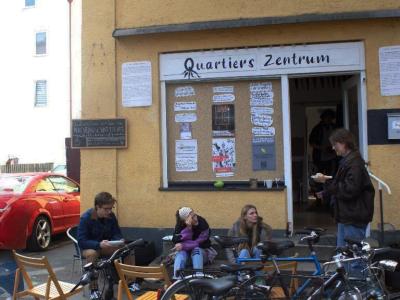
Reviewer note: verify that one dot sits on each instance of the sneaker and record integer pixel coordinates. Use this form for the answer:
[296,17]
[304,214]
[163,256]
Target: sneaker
[134,287]
[95,295]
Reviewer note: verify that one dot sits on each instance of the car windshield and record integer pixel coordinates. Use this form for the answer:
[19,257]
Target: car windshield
[14,183]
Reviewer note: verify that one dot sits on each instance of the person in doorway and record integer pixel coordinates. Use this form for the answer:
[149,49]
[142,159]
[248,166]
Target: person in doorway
[97,227]
[192,239]
[351,191]
[250,225]
[323,156]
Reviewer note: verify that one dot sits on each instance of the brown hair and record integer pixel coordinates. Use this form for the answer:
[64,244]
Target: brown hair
[345,137]
[103,198]
[255,229]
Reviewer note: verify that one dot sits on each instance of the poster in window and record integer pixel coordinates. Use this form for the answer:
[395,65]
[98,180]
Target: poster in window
[264,157]
[223,120]
[223,157]
[185,129]
[261,94]
[186,155]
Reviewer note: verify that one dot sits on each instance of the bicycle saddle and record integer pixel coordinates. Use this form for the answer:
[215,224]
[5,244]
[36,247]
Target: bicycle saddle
[239,268]
[230,241]
[274,247]
[215,287]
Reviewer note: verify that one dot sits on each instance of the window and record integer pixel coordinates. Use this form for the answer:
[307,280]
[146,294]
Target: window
[40,93]
[41,43]
[30,3]
[62,184]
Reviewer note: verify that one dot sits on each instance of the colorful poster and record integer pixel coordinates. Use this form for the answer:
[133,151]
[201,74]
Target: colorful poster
[186,156]
[264,157]
[223,157]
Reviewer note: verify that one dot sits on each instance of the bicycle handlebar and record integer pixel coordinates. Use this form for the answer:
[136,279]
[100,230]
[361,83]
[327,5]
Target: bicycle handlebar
[89,274]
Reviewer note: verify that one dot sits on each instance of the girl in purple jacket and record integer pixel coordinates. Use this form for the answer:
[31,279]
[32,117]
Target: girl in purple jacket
[192,239]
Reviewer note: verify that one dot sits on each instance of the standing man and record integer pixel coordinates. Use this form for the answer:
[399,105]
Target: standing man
[323,156]
[98,226]
[351,191]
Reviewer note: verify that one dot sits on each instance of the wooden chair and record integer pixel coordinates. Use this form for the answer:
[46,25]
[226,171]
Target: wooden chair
[52,289]
[290,266]
[129,271]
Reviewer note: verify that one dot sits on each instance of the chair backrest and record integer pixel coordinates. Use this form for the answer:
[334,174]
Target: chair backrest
[24,262]
[130,271]
[72,235]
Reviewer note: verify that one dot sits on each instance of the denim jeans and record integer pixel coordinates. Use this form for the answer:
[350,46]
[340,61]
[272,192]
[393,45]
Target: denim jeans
[355,268]
[244,253]
[344,230]
[198,256]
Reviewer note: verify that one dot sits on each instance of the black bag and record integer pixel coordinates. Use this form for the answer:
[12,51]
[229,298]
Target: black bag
[145,254]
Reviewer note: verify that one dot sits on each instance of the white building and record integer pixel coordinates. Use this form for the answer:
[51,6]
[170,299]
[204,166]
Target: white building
[35,103]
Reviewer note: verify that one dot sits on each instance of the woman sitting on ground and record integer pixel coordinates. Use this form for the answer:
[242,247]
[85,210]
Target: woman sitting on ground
[191,238]
[250,225]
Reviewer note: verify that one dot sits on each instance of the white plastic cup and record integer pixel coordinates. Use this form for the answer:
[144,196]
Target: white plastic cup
[268,183]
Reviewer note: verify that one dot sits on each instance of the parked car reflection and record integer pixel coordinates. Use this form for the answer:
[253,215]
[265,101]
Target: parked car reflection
[35,206]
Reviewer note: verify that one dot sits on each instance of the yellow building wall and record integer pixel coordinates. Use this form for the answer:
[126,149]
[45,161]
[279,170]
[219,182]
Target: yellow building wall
[140,13]
[133,175]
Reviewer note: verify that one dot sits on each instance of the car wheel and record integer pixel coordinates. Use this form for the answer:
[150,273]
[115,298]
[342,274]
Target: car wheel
[41,235]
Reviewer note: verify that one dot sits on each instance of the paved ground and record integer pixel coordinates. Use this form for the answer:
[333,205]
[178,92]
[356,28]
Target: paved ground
[60,258]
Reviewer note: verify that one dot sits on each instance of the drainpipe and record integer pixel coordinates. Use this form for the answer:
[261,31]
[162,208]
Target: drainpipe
[70,62]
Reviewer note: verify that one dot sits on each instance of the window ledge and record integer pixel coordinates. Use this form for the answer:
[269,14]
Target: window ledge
[228,187]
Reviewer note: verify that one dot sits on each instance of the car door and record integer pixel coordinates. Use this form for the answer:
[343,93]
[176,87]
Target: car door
[70,198]
[47,199]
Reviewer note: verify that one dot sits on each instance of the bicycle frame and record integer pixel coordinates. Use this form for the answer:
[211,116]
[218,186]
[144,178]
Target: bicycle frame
[312,258]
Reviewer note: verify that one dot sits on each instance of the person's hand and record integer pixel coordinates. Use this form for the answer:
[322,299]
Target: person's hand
[189,221]
[178,247]
[104,244]
[320,195]
[321,178]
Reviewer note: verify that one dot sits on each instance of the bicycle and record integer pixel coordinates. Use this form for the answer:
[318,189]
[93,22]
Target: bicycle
[105,266]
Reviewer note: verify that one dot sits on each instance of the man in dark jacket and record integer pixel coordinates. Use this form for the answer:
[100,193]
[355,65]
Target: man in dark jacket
[351,191]
[97,228]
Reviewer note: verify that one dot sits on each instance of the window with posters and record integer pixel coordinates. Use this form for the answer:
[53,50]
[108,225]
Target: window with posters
[224,130]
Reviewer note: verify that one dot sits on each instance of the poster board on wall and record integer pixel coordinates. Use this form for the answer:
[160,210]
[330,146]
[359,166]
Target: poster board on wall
[197,123]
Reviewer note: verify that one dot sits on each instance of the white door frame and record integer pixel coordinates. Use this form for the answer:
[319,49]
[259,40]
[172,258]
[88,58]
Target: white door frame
[358,79]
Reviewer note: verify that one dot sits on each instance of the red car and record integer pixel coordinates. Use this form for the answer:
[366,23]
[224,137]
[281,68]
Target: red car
[34,206]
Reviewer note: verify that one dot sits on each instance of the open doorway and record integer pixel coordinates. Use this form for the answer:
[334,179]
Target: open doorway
[312,99]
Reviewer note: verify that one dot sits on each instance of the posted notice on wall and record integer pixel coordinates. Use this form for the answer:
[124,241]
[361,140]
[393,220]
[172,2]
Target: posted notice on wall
[136,84]
[264,157]
[223,157]
[186,156]
[389,66]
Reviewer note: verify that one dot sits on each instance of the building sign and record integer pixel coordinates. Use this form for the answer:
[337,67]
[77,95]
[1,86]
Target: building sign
[263,61]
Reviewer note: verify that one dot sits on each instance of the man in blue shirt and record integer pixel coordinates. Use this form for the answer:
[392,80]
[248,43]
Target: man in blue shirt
[98,226]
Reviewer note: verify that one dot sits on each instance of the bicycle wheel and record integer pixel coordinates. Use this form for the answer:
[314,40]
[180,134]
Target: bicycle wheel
[183,287]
